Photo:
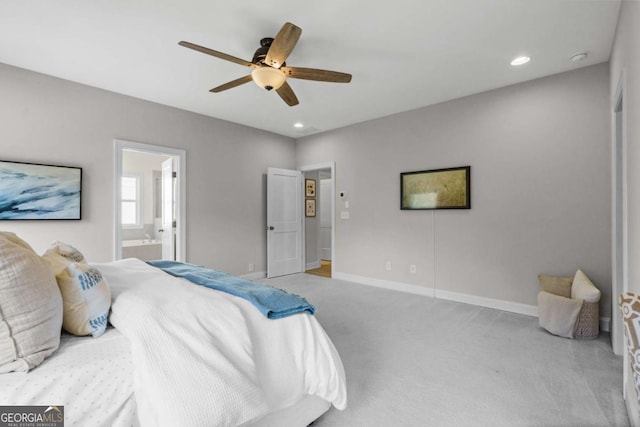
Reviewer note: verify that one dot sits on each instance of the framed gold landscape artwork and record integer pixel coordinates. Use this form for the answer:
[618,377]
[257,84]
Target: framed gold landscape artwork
[436,189]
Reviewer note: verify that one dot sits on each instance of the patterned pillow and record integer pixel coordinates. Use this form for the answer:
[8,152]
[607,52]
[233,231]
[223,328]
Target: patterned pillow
[30,306]
[630,307]
[60,254]
[85,293]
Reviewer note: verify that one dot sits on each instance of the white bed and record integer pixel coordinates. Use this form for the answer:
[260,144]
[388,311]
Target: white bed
[182,354]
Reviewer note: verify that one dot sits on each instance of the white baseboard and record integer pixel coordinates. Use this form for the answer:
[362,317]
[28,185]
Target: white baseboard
[256,275]
[512,307]
[312,265]
[387,284]
[497,304]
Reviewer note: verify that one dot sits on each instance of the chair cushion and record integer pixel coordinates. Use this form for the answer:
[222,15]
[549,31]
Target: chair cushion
[582,288]
[556,285]
[557,314]
[30,306]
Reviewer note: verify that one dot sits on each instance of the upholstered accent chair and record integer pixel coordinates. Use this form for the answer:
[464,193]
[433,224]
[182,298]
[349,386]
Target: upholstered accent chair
[569,307]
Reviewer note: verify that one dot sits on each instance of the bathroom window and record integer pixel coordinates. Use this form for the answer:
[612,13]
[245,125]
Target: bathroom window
[131,200]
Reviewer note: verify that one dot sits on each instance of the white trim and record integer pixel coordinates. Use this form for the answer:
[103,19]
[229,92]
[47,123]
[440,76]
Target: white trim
[312,265]
[619,142]
[386,284]
[256,275]
[332,166]
[181,202]
[510,306]
[496,304]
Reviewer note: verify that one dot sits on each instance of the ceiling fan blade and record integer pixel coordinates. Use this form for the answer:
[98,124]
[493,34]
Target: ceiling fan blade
[282,45]
[232,84]
[287,95]
[315,74]
[216,54]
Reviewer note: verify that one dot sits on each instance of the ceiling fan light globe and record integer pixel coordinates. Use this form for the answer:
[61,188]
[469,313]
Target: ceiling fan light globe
[268,78]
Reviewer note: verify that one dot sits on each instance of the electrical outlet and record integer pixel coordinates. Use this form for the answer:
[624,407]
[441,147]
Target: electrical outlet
[412,269]
[251,268]
[387,266]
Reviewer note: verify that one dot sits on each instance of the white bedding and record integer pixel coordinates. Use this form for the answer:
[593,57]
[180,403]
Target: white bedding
[183,355]
[203,357]
[90,377]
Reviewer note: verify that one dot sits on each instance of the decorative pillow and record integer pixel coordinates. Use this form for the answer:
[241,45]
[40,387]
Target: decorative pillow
[556,285]
[60,254]
[85,293]
[584,289]
[30,306]
[558,315]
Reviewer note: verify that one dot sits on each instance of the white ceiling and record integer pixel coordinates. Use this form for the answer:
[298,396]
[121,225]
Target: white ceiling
[403,54]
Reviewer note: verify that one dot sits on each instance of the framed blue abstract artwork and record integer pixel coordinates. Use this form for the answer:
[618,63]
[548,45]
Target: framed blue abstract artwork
[31,191]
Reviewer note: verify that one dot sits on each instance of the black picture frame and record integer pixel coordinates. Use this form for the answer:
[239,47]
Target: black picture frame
[35,191]
[448,188]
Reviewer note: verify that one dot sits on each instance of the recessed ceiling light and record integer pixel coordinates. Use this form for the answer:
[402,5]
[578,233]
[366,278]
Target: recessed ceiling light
[298,125]
[520,60]
[579,56]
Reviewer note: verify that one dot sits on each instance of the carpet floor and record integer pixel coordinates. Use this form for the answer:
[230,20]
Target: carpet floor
[417,361]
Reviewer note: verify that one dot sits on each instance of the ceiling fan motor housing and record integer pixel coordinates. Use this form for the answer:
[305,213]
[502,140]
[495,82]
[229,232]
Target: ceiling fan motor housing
[261,52]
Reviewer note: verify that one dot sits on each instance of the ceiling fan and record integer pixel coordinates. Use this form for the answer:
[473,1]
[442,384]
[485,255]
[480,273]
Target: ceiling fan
[269,68]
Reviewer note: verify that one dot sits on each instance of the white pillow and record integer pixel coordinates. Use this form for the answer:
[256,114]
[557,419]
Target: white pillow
[85,293]
[30,306]
[582,288]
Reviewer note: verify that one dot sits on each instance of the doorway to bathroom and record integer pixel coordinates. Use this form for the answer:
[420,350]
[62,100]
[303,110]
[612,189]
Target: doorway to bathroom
[149,202]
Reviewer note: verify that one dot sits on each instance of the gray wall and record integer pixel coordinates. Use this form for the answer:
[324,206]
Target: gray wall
[53,121]
[539,153]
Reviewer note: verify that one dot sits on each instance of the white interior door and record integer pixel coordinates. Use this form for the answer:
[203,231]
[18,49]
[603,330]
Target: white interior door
[326,208]
[167,229]
[284,222]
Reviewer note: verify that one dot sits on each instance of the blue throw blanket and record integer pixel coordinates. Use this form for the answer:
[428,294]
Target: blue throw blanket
[273,303]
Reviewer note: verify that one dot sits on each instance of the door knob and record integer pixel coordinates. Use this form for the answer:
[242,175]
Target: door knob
[271,227]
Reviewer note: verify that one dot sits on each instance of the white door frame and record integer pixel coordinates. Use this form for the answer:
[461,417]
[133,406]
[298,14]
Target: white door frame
[332,167]
[167,211]
[181,213]
[619,212]
[322,202]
